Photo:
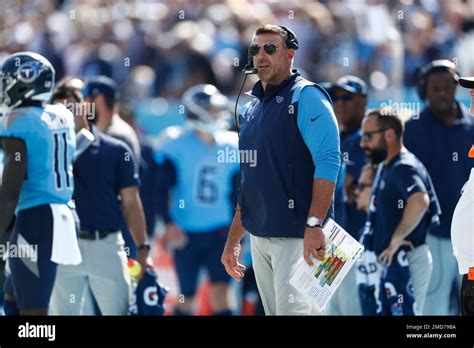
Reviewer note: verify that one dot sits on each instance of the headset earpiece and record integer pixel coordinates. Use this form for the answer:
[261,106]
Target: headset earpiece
[423,74]
[292,41]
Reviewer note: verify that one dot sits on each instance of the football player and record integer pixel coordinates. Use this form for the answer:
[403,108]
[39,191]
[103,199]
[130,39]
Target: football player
[39,144]
[199,166]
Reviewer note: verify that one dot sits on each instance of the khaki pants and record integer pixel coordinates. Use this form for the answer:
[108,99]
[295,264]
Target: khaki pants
[274,260]
[103,274]
[445,273]
[420,264]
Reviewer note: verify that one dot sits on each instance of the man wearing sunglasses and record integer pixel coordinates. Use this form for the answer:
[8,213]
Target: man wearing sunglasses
[286,197]
[403,207]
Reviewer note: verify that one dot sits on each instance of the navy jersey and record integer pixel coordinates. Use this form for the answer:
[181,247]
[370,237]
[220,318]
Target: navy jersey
[50,142]
[397,180]
[202,187]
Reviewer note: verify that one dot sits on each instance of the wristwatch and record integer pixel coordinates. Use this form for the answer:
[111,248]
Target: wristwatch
[145,245]
[314,222]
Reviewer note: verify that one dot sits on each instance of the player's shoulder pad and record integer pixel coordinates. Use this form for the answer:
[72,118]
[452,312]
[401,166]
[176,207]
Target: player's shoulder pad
[21,119]
[170,135]
[167,142]
[59,109]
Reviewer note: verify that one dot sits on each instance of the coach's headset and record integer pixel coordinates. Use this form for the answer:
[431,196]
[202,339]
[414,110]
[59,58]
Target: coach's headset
[439,65]
[291,42]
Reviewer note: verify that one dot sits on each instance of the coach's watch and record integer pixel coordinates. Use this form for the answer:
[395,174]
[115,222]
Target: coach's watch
[313,222]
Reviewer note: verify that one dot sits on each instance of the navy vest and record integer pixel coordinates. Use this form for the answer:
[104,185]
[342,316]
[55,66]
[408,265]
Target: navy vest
[276,193]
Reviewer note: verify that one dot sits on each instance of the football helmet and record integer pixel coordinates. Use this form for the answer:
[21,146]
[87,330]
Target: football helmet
[207,109]
[25,76]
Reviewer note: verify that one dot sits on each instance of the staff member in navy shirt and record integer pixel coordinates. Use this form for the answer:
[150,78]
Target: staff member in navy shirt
[287,195]
[105,191]
[403,207]
[439,137]
[106,96]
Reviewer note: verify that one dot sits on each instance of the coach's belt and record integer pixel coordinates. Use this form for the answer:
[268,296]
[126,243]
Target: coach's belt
[95,234]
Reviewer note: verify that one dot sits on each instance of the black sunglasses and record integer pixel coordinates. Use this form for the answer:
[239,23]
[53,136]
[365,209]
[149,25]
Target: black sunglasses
[367,136]
[345,97]
[268,48]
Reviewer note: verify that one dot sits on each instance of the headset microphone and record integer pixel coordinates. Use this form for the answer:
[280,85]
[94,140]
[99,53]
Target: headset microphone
[247,71]
[249,68]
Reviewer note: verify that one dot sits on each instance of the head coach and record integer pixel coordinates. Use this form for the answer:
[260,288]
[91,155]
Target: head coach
[285,198]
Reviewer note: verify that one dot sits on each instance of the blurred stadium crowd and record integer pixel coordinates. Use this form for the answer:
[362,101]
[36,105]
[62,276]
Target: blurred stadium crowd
[161,48]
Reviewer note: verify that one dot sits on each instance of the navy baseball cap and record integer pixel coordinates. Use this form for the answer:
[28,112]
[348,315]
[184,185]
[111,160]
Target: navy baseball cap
[467,82]
[351,84]
[102,85]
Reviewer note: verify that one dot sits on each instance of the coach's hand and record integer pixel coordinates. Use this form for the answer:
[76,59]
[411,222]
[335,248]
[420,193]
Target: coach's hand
[313,244]
[230,260]
[144,260]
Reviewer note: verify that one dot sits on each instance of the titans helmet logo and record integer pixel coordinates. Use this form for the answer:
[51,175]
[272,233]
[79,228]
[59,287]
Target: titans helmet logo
[28,72]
